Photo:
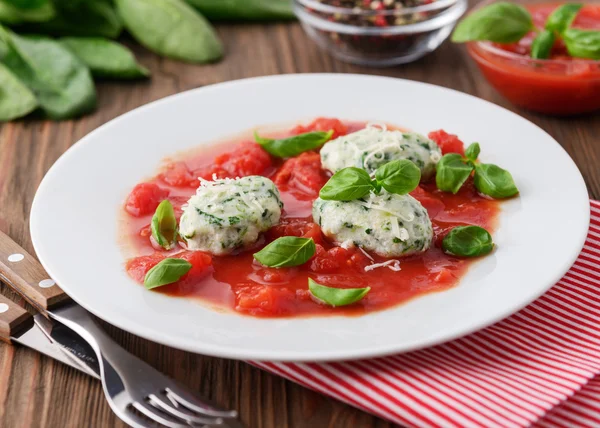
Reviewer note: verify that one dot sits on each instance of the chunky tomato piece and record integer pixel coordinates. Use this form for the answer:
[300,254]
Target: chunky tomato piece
[259,299]
[144,198]
[177,174]
[449,143]
[323,124]
[138,267]
[327,261]
[296,227]
[302,174]
[247,159]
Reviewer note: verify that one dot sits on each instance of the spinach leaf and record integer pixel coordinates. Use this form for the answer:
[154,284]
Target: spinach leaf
[244,9]
[16,100]
[164,225]
[452,172]
[494,181]
[542,45]
[582,43]
[468,241]
[347,184]
[472,152]
[293,146]
[62,84]
[105,58]
[336,296]
[562,17]
[399,176]
[12,14]
[286,251]
[166,272]
[500,22]
[171,28]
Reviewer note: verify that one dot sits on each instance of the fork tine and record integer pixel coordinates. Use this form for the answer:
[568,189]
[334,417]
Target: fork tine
[157,415]
[171,408]
[188,400]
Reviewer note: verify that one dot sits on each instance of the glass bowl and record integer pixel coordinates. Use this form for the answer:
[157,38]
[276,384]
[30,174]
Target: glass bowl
[379,37]
[552,86]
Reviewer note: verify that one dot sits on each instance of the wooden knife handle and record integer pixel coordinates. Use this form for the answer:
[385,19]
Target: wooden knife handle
[24,274]
[13,319]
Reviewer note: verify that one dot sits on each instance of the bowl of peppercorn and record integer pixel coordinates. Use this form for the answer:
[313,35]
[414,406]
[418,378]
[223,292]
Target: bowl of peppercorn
[379,32]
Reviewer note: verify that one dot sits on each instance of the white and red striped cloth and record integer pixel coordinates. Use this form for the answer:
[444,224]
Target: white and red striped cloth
[538,368]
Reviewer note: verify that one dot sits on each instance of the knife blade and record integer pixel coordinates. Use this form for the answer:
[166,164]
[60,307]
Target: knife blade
[18,326]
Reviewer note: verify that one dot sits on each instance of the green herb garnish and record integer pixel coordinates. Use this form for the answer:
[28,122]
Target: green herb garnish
[582,43]
[293,146]
[542,45]
[451,172]
[399,176]
[468,241]
[494,181]
[164,225]
[562,17]
[286,251]
[336,296]
[166,272]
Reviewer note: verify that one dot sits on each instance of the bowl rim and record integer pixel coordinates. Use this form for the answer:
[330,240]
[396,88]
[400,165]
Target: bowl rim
[327,8]
[444,18]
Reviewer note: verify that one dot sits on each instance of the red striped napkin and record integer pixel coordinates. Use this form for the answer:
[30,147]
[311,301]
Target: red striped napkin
[538,368]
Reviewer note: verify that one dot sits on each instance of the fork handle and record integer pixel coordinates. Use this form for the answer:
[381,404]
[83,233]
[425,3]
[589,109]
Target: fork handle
[13,319]
[24,274]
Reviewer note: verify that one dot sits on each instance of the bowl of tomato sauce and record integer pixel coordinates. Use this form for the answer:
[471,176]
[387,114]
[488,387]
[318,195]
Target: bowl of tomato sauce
[560,85]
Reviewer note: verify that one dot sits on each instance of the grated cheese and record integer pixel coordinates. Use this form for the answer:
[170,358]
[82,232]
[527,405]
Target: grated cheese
[366,254]
[390,264]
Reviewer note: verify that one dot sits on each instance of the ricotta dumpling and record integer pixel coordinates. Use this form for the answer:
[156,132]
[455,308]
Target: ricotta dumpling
[387,224]
[374,146]
[229,214]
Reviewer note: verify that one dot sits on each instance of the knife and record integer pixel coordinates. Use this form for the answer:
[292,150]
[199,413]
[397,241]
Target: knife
[19,326]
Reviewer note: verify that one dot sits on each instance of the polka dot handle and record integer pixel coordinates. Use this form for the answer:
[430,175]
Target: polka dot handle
[13,319]
[24,274]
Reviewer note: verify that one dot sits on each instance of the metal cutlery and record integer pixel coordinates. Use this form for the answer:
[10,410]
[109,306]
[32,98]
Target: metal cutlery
[136,392]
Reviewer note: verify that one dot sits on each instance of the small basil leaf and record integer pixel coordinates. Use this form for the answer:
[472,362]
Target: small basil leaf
[452,172]
[494,181]
[16,99]
[542,45]
[500,22]
[582,43]
[399,176]
[336,296]
[293,146]
[286,251]
[12,14]
[472,152]
[164,225]
[347,184]
[562,17]
[166,272]
[468,241]
[244,9]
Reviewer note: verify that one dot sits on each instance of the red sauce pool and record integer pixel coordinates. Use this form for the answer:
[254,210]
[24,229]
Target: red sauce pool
[238,282]
[562,85]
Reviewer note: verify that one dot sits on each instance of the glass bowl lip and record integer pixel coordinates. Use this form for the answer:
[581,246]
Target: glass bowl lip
[446,17]
[490,48]
[326,8]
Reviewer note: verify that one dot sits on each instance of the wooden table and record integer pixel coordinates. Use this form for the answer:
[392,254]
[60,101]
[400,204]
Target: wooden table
[35,391]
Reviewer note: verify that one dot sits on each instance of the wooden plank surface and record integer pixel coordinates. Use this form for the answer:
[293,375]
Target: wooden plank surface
[37,392]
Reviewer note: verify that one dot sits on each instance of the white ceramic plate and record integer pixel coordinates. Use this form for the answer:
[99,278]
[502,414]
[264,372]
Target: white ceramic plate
[74,218]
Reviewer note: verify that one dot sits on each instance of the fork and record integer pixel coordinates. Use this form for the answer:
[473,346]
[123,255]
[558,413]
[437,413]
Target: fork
[136,392]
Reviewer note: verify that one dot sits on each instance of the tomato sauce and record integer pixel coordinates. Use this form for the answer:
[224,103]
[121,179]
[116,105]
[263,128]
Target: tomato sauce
[238,282]
[561,85]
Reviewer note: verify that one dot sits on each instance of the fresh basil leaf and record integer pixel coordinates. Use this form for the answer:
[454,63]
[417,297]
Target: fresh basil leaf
[171,28]
[166,272]
[62,84]
[468,241]
[494,181]
[244,9]
[27,4]
[399,176]
[472,152]
[164,225]
[16,100]
[10,13]
[562,17]
[293,146]
[582,43]
[286,251]
[500,22]
[452,172]
[105,58]
[542,45]
[347,184]
[336,296]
